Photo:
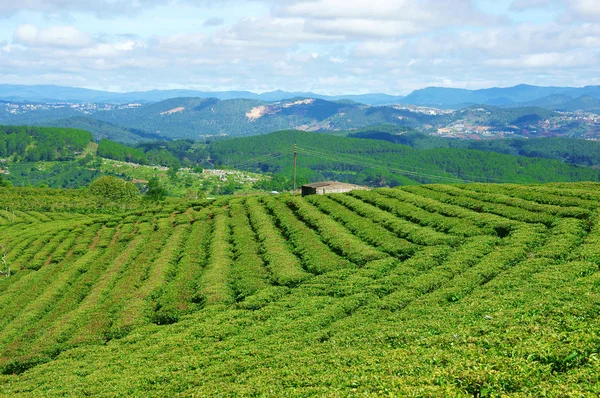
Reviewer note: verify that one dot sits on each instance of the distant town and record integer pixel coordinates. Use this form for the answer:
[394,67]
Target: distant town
[16,108]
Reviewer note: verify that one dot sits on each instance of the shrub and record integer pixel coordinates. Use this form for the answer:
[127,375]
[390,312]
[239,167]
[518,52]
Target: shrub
[109,190]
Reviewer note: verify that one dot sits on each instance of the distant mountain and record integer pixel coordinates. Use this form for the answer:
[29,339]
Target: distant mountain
[459,98]
[583,103]
[440,97]
[560,102]
[201,118]
[494,116]
[48,93]
[198,117]
[53,94]
[549,102]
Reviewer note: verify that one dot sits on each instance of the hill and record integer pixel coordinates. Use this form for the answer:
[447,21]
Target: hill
[202,118]
[199,118]
[506,96]
[570,150]
[69,158]
[565,103]
[378,163]
[101,129]
[470,290]
[583,103]
[493,116]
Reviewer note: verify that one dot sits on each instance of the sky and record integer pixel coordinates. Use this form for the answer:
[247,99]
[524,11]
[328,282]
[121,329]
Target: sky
[325,46]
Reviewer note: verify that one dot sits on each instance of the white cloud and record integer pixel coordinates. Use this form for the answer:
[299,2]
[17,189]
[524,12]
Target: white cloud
[373,9]
[426,13]
[585,9]
[109,50]
[56,36]
[376,49]
[547,61]
[103,8]
[575,10]
[365,28]
[328,46]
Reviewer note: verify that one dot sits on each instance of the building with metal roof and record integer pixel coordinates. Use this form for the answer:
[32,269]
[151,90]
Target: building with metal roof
[322,188]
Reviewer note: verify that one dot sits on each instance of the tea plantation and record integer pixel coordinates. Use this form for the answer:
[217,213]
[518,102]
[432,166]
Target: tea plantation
[437,290]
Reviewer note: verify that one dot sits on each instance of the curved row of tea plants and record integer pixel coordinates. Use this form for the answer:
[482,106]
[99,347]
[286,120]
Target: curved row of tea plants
[467,290]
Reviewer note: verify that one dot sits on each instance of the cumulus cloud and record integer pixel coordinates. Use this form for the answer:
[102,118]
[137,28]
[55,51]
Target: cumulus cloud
[111,50]
[56,36]
[378,49]
[546,60]
[100,8]
[575,10]
[429,12]
[329,46]
[585,9]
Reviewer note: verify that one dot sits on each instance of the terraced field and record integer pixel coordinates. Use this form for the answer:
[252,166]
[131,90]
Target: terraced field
[435,290]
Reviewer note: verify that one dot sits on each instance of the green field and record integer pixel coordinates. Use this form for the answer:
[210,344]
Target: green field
[435,290]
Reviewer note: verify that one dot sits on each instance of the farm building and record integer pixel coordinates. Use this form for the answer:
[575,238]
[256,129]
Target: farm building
[321,188]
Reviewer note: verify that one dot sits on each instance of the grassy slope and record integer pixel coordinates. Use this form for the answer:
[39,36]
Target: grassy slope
[423,291]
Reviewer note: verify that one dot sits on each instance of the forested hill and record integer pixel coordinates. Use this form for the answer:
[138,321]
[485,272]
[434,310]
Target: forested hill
[199,118]
[375,162]
[570,150]
[75,160]
[35,143]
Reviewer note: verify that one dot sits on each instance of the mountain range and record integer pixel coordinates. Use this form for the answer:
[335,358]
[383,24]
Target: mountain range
[49,93]
[200,118]
[521,95]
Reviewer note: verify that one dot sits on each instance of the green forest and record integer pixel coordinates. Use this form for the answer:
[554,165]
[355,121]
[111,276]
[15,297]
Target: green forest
[33,144]
[378,156]
[569,150]
[379,163]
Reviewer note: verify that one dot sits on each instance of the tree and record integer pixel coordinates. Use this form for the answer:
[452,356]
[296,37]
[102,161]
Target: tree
[4,182]
[155,192]
[194,194]
[229,187]
[109,189]
[172,173]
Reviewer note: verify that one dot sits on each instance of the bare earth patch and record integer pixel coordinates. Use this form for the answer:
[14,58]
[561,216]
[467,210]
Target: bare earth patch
[174,110]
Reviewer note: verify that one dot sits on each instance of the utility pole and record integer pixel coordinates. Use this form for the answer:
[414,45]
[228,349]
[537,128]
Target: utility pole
[6,268]
[295,157]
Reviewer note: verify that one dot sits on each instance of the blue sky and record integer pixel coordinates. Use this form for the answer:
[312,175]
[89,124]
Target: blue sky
[326,46]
